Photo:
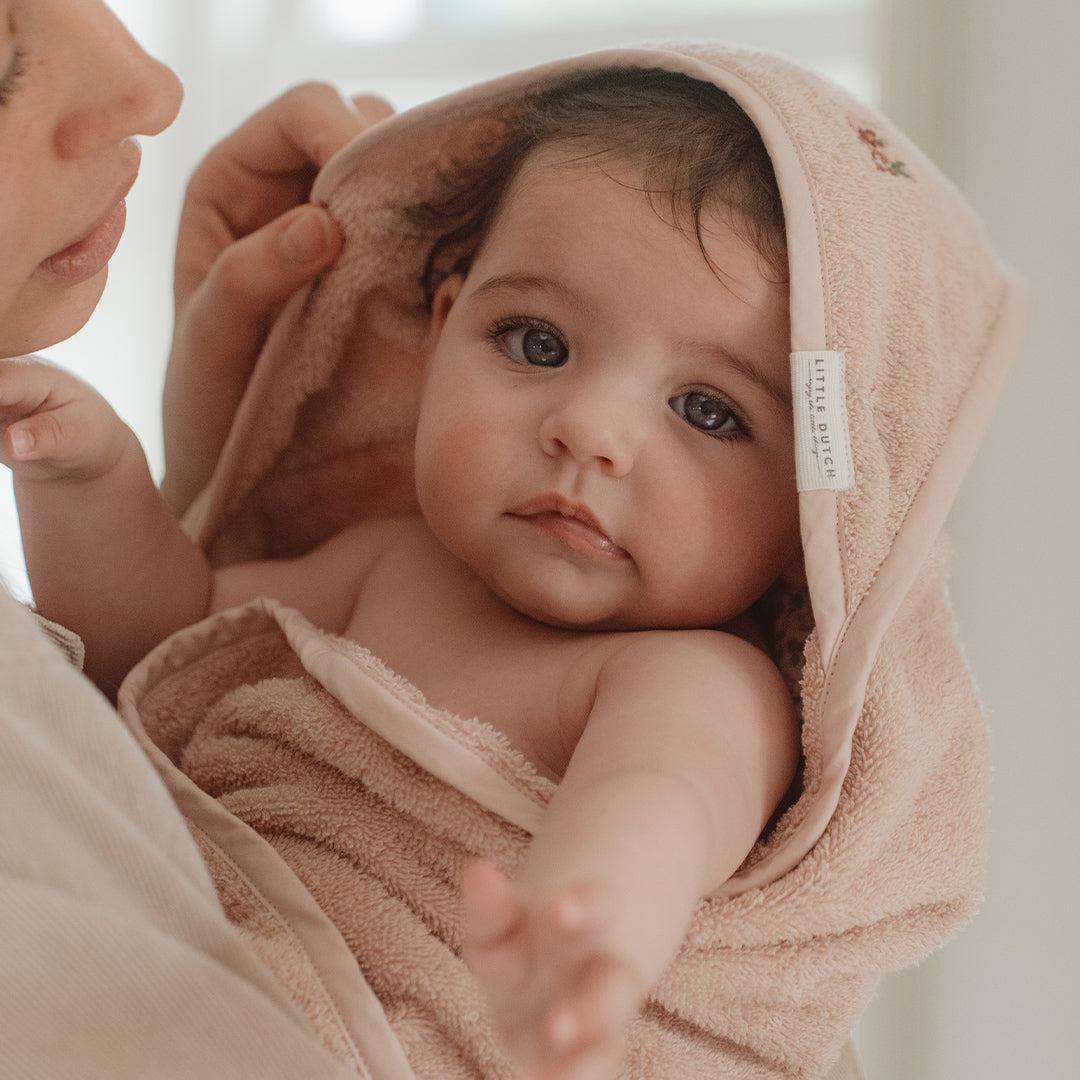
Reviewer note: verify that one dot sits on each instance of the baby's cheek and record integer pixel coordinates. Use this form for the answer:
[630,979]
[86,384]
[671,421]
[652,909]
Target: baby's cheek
[454,465]
[454,449]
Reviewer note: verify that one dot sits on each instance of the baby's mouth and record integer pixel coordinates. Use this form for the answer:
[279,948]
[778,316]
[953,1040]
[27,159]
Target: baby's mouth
[575,534]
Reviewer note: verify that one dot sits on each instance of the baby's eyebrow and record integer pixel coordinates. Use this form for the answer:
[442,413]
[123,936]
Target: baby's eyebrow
[707,351]
[517,282]
[710,352]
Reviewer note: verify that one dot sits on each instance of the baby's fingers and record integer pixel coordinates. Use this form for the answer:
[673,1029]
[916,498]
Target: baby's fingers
[591,1061]
[53,424]
[491,929]
[594,1016]
[31,438]
[26,387]
[491,910]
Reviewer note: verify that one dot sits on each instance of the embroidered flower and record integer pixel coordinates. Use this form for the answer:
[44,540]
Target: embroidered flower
[882,160]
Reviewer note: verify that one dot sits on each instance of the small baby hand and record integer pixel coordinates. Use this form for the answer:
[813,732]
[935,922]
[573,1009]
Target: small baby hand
[54,426]
[559,999]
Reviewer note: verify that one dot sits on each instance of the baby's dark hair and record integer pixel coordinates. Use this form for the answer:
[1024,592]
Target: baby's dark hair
[694,143]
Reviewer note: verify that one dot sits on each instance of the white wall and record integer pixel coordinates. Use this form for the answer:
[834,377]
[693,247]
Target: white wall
[992,89]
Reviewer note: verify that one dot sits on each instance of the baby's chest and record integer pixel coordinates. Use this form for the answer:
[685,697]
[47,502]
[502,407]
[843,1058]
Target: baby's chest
[518,698]
[473,662]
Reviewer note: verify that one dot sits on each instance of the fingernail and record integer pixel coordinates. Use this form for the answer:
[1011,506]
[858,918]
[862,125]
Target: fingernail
[22,441]
[304,240]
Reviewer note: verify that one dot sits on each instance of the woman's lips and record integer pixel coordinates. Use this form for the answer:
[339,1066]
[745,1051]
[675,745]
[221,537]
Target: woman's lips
[89,256]
[575,534]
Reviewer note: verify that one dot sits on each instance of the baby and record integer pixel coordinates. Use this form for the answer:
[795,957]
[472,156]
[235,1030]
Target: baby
[604,469]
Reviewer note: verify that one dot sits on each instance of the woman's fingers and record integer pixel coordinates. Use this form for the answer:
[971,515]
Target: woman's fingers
[248,240]
[492,942]
[372,108]
[586,1032]
[253,276]
[303,127]
[222,332]
[264,168]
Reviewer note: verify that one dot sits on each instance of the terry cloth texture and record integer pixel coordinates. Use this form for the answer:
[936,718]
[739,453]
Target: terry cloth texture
[902,323]
[364,802]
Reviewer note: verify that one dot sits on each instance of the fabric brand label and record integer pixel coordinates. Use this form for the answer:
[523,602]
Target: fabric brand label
[822,443]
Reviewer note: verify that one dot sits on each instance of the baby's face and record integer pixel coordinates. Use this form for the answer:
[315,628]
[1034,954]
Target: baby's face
[587,363]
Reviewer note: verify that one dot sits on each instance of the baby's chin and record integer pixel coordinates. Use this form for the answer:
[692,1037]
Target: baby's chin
[556,608]
[575,612]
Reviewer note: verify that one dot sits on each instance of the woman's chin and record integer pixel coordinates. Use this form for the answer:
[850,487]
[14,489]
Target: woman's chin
[45,313]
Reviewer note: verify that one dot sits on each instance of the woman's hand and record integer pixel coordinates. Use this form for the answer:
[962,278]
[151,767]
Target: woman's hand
[54,426]
[248,240]
[558,998]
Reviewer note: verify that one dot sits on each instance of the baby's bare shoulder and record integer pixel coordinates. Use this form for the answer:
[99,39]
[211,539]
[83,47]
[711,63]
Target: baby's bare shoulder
[704,705]
[670,654]
[695,669]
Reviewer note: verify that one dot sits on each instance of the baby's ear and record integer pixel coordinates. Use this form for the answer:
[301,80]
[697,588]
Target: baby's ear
[441,304]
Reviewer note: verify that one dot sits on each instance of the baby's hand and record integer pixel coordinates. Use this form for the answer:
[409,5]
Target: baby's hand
[559,999]
[54,426]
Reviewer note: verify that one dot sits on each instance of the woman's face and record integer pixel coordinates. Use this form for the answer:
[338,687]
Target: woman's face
[75,89]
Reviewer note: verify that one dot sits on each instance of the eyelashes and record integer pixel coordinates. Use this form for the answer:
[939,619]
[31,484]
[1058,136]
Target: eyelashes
[498,330]
[700,397]
[11,78]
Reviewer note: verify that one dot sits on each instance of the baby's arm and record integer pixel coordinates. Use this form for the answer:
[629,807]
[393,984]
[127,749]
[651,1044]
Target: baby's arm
[690,745]
[104,554]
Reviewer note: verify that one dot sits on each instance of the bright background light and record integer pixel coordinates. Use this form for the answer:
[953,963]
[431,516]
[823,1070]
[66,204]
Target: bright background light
[350,21]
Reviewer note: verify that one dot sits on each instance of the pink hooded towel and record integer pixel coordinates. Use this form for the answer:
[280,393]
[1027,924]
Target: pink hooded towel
[335,806]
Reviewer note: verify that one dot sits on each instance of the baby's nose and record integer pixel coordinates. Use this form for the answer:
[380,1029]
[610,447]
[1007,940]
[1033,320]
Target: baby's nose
[594,429]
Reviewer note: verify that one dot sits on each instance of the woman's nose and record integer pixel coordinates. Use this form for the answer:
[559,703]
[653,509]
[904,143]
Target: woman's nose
[594,428]
[124,91]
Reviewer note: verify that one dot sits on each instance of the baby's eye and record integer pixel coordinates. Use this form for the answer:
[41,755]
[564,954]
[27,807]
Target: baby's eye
[530,343]
[707,413]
